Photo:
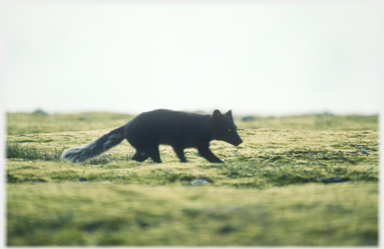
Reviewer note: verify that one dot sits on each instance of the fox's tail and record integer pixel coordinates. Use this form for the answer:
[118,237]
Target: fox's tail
[95,148]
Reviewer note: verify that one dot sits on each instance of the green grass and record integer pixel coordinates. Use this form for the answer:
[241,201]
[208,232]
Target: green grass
[313,185]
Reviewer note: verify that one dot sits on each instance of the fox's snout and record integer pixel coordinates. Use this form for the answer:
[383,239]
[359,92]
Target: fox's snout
[235,140]
[238,142]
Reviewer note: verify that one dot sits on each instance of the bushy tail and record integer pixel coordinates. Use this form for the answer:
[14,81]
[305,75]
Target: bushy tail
[95,148]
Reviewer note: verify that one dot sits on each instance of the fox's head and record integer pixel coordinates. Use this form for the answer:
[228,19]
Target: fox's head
[224,128]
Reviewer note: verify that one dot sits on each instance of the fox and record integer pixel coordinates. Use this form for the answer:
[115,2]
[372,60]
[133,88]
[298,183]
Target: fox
[178,129]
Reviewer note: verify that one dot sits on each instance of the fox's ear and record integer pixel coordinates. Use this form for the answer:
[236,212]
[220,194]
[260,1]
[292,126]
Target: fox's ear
[217,113]
[228,114]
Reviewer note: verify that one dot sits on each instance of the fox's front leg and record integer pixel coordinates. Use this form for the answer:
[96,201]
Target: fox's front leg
[205,152]
[180,153]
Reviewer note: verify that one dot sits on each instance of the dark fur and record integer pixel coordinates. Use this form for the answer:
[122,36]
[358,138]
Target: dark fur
[150,129]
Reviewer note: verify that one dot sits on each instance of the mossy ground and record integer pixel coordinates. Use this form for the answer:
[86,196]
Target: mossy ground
[305,180]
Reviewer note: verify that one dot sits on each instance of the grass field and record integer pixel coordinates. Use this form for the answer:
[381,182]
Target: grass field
[295,181]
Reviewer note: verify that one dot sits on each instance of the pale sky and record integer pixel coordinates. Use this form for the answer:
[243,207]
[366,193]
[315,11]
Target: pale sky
[252,58]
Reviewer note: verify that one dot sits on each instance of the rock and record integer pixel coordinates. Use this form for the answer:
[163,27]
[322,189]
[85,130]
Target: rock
[201,180]
[248,118]
[39,180]
[40,112]
[227,229]
[81,179]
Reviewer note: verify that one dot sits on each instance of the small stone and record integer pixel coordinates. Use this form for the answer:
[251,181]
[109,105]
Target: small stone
[82,179]
[39,180]
[335,179]
[85,117]
[363,151]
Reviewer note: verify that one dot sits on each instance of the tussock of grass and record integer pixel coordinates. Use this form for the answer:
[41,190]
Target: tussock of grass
[295,181]
[16,150]
[28,153]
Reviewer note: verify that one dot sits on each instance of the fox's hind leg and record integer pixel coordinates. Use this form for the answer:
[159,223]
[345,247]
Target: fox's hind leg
[143,153]
[154,153]
[140,156]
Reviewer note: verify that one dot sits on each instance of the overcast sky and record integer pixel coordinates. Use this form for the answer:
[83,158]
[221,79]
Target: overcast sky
[252,58]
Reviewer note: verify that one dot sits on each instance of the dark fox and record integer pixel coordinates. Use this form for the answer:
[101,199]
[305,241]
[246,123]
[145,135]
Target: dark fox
[150,129]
